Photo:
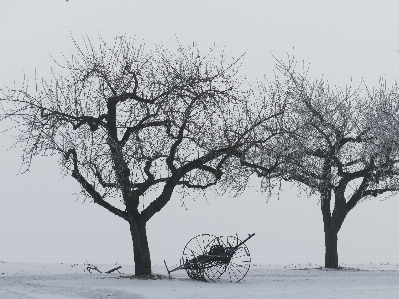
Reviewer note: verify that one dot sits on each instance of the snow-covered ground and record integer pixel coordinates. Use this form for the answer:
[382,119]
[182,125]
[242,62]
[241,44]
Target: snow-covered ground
[56,281]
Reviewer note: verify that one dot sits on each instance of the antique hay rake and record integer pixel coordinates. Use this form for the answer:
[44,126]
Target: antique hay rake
[208,258]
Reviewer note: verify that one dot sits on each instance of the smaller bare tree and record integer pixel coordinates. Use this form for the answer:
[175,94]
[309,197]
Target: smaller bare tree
[125,122]
[341,145]
[347,149]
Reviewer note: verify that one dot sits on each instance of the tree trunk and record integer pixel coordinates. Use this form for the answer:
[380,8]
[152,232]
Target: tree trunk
[142,260]
[331,256]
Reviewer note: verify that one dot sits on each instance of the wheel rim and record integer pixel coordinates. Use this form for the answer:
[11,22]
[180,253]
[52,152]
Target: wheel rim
[215,269]
[194,248]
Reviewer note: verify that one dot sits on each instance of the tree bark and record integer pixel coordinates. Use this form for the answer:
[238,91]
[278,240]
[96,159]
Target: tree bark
[142,260]
[331,243]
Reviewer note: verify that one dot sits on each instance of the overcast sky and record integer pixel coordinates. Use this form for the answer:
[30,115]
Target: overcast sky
[40,219]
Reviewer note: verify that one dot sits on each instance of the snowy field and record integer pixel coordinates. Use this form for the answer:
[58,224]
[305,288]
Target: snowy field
[56,281]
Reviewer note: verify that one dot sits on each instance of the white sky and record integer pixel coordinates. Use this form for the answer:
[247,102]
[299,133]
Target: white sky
[40,221]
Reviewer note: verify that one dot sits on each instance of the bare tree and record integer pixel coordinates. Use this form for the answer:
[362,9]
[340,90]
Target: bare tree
[125,122]
[341,145]
[346,148]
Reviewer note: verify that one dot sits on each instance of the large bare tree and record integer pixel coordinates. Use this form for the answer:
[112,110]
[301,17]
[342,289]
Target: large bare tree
[124,122]
[346,150]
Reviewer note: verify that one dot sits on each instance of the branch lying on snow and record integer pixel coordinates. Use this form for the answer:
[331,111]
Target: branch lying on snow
[90,267]
[115,269]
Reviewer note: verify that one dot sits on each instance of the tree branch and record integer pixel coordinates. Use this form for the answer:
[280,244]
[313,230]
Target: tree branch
[358,195]
[141,125]
[173,148]
[357,139]
[92,122]
[89,188]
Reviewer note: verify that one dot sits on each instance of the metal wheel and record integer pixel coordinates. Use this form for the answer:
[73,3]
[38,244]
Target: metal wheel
[216,268]
[240,261]
[194,253]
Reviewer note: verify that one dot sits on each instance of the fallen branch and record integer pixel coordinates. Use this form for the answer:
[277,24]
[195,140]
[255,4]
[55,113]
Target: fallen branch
[92,267]
[112,270]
